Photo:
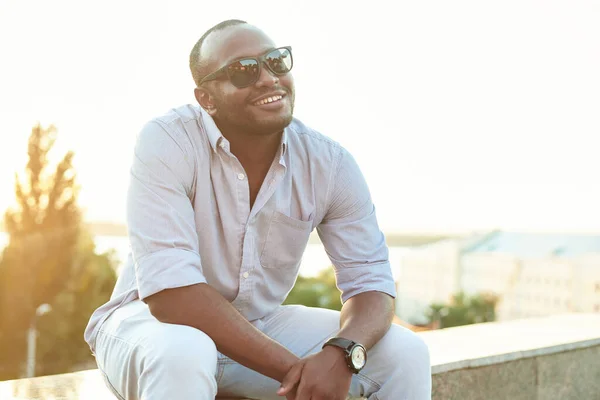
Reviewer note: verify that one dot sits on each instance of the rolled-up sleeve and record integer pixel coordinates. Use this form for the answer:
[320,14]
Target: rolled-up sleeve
[351,235]
[160,216]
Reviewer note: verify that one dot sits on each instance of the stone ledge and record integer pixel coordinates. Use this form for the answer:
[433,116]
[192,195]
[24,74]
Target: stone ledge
[539,358]
[569,375]
[491,343]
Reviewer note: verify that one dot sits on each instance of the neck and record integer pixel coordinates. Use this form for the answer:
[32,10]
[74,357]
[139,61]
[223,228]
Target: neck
[247,146]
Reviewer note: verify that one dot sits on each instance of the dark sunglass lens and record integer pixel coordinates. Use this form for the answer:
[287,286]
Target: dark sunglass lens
[280,61]
[243,73]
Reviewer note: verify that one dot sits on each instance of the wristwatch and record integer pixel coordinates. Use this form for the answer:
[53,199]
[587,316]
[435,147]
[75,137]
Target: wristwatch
[356,354]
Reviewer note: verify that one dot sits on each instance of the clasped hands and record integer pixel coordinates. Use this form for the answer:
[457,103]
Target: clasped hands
[321,376]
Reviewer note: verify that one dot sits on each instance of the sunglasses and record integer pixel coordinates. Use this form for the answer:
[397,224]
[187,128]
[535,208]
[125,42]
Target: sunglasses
[245,71]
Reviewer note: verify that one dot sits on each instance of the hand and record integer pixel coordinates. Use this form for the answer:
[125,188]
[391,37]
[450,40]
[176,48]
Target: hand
[321,376]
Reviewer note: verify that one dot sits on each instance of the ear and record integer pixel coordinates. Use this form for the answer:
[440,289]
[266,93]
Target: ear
[205,99]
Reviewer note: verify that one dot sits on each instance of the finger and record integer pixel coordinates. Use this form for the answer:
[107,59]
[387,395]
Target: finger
[290,380]
[303,391]
[291,395]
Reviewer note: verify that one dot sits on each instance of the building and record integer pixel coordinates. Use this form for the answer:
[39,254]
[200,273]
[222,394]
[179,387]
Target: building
[532,274]
[427,274]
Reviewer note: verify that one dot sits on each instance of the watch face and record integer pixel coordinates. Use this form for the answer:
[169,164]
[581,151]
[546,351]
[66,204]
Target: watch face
[359,357]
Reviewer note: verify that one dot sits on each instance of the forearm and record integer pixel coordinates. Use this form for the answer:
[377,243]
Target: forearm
[233,335]
[366,317]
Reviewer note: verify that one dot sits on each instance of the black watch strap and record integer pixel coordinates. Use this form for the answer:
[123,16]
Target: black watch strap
[342,343]
[347,346]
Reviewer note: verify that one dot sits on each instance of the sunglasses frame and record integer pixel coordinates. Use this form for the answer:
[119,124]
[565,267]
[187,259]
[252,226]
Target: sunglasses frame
[260,60]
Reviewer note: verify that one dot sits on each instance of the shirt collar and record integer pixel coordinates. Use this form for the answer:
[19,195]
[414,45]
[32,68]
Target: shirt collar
[213,132]
[215,136]
[284,141]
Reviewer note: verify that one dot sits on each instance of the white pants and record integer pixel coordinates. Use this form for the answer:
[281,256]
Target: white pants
[145,359]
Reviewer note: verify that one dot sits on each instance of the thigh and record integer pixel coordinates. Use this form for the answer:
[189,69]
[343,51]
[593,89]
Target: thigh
[138,353]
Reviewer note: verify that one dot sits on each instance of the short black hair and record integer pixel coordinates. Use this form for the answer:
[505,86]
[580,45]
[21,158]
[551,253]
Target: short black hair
[197,66]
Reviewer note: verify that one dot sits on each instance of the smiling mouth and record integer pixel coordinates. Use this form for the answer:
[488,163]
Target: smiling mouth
[268,100]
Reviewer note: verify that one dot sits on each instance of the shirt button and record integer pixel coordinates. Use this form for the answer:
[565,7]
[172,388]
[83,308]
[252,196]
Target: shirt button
[222,145]
[245,275]
[241,176]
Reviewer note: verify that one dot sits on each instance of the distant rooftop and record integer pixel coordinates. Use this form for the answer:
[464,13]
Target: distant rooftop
[536,245]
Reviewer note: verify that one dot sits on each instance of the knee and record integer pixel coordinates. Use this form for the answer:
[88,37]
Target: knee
[183,350]
[406,363]
[408,350]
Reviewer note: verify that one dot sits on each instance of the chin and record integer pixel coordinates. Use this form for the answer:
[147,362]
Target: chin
[273,124]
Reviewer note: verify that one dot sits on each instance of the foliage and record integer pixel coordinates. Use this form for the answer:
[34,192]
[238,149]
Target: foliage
[464,310]
[50,259]
[320,291]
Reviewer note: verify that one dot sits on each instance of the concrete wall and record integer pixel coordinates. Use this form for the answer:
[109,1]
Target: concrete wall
[544,358]
[572,374]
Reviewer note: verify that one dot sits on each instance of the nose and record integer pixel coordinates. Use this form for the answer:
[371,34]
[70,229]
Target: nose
[267,78]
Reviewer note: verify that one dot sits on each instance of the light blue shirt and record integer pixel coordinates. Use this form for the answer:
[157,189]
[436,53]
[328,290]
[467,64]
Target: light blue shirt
[189,218]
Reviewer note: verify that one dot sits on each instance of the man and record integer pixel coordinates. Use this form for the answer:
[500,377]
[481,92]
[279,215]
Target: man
[222,200]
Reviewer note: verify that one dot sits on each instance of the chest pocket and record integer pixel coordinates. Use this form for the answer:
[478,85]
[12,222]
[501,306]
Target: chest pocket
[286,240]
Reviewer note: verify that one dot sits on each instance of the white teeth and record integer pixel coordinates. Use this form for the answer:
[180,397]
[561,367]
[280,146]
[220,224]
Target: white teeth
[268,100]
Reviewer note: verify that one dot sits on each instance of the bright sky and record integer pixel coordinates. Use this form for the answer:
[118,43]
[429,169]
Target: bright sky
[463,115]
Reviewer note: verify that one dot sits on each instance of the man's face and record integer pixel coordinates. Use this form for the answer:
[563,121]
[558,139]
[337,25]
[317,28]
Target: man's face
[241,109]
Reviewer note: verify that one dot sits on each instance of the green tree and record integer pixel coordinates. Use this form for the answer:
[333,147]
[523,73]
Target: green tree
[464,310]
[320,291]
[50,259]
